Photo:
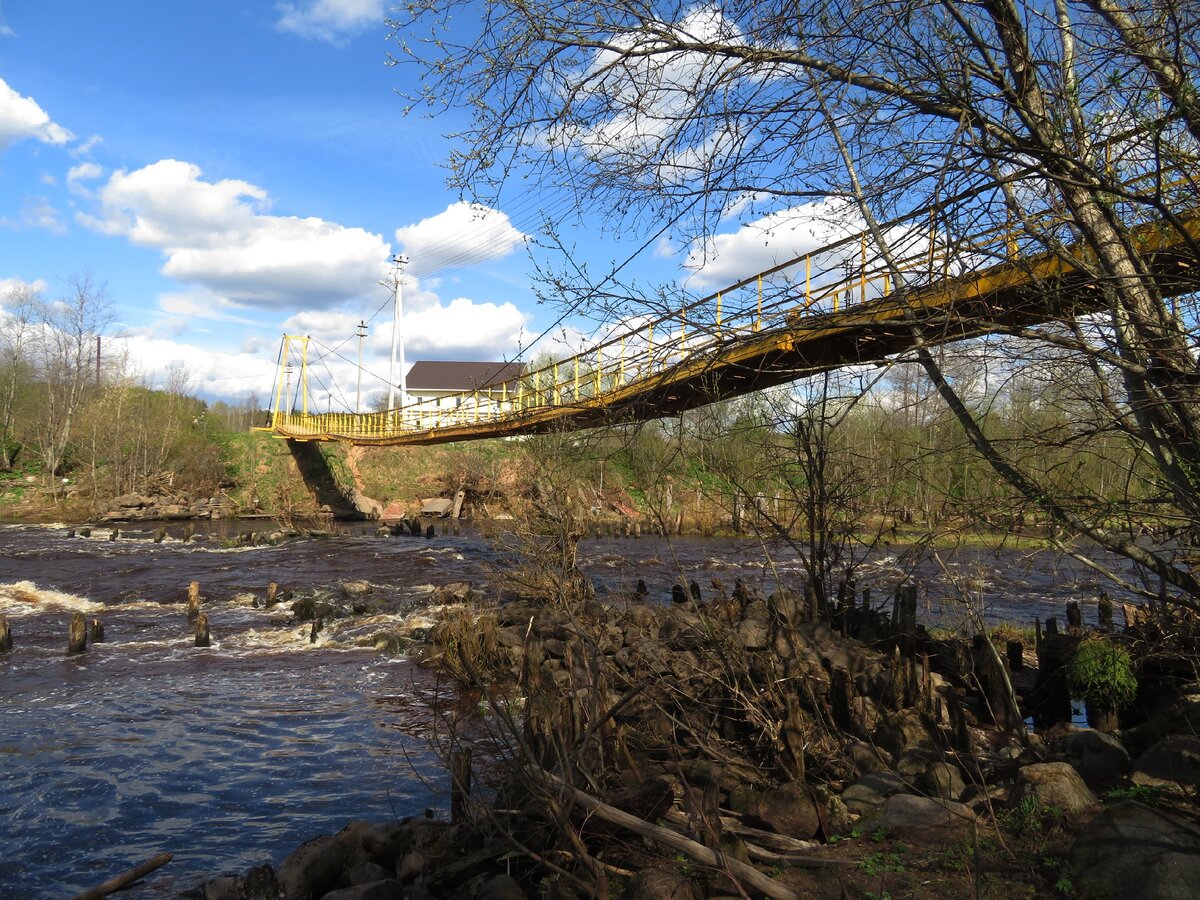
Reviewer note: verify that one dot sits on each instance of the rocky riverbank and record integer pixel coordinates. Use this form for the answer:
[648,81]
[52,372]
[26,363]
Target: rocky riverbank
[734,745]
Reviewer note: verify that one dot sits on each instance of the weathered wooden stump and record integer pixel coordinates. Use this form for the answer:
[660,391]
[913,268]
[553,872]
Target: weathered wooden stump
[97,631]
[85,532]
[1015,651]
[1074,618]
[460,784]
[6,642]
[189,532]
[1104,612]
[77,634]
[203,636]
[160,535]
[114,534]
[71,533]
[317,625]
[430,531]
[272,595]
[193,601]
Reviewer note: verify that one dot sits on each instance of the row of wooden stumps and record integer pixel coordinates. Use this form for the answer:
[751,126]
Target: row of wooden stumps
[160,535]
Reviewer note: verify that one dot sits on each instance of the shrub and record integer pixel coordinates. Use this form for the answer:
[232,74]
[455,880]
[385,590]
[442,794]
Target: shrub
[1102,674]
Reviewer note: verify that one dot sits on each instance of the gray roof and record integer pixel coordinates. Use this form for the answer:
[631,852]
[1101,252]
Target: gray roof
[444,375]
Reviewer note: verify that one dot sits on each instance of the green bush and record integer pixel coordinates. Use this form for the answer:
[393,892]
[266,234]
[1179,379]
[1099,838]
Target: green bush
[1102,674]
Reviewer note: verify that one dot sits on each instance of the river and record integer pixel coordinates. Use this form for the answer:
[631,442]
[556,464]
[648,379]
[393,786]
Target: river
[231,755]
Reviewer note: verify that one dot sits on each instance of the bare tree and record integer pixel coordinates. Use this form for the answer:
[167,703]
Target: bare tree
[65,360]
[1067,125]
[21,304]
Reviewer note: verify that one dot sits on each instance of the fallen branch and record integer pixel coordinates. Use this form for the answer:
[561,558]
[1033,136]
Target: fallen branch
[676,841]
[125,878]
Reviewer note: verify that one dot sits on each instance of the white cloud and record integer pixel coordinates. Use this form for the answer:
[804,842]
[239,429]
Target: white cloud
[37,212]
[464,234]
[21,118]
[332,21]
[218,235]
[19,286]
[77,175]
[211,372]
[86,147]
[766,242]
[203,305]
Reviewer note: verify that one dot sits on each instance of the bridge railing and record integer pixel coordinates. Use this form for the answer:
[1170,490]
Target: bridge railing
[804,293]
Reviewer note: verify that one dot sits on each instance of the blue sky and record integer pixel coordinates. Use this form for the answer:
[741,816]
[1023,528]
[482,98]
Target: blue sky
[232,171]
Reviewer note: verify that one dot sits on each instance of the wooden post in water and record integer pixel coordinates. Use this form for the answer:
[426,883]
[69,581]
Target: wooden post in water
[272,591]
[460,784]
[193,601]
[203,637]
[317,625]
[114,534]
[77,634]
[6,643]
[85,532]
[1015,651]
[97,631]
[160,535]
[1104,612]
[1074,618]
[188,531]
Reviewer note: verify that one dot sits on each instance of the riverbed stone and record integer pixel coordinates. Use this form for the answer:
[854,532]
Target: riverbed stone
[788,810]
[1099,758]
[754,634]
[386,889]
[866,758]
[1173,764]
[661,884]
[312,869]
[1057,785]
[944,780]
[1132,850]
[868,794]
[923,820]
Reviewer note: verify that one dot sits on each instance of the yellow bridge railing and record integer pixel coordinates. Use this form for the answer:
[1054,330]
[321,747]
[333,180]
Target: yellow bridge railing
[834,285]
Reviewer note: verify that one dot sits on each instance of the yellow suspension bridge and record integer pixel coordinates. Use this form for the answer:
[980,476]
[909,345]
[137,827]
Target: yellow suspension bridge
[838,306]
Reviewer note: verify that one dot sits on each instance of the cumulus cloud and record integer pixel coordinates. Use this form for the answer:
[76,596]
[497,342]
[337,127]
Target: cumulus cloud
[211,372]
[464,234]
[218,235]
[21,118]
[36,212]
[11,288]
[332,21]
[768,241]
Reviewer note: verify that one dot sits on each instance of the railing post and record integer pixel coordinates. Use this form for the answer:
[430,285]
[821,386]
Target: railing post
[557,387]
[599,366]
[718,314]
[621,375]
[576,395]
[758,321]
[862,287]
[807,282]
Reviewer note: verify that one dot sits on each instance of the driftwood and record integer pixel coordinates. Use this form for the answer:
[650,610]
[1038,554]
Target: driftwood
[676,841]
[125,878]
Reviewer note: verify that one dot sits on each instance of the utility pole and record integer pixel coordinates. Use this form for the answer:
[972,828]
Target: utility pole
[361,331]
[398,263]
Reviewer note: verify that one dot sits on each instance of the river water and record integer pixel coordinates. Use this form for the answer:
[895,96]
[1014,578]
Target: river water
[231,755]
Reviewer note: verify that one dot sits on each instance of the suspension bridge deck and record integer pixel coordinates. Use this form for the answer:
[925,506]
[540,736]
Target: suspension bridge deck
[704,353]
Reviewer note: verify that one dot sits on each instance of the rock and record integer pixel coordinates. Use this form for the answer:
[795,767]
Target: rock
[355,588]
[865,758]
[754,634]
[1173,763]
[455,592]
[944,780]
[387,889]
[788,810]
[411,866]
[834,815]
[1099,758]
[364,505]
[1131,850]
[312,868]
[365,873]
[130,501]
[1055,784]
[919,819]
[869,793]
[660,884]
[904,730]
[501,887]
[223,887]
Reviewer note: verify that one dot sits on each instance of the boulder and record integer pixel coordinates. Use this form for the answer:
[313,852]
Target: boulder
[1100,759]
[944,780]
[1131,850]
[919,819]
[868,794]
[789,810]
[1058,785]
[312,868]
[903,730]
[499,887]
[754,634]
[1173,763]
[661,884]
[386,889]
[865,758]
